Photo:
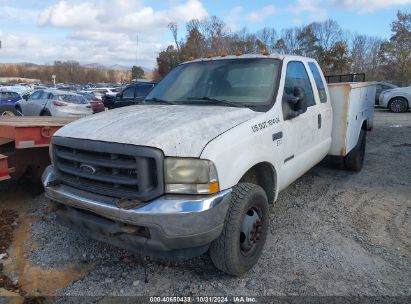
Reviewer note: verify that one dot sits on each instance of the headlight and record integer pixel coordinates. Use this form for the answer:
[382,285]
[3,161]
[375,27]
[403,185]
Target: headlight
[190,175]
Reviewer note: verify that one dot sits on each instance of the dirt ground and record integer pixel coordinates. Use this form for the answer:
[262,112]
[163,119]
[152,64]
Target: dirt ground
[333,233]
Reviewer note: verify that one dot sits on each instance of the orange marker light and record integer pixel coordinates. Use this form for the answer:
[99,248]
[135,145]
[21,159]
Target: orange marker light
[265,52]
[238,53]
[224,53]
[190,58]
[213,187]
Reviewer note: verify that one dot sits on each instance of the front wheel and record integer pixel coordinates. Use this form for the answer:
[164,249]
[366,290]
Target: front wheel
[7,110]
[45,113]
[242,240]
[398,105]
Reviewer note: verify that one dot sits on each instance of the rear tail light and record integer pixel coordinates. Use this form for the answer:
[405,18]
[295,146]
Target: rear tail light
[59,103]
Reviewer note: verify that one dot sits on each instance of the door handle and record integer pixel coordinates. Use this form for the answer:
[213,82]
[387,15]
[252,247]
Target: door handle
[319,121]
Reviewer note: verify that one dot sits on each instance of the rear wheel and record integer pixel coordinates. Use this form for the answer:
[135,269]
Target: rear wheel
[7,110]
[242,240]
[355,159]
[398,105]
[45,113]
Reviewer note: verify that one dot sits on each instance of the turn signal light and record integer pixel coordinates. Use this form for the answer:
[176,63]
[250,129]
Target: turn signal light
[265,52]
[224,53]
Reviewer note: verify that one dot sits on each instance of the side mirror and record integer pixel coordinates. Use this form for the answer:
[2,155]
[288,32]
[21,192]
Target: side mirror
[298,95]
[25,97]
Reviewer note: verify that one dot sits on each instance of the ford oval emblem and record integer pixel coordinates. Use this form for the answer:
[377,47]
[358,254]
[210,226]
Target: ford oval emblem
[88,169]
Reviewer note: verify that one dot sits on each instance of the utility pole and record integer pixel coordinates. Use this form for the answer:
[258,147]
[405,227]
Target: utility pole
[137,50]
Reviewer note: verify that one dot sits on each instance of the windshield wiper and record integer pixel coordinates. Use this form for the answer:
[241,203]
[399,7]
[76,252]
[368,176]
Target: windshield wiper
[216,100]
[155,99]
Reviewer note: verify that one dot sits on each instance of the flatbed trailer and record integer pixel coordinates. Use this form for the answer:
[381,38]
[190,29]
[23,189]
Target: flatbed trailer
[24,145]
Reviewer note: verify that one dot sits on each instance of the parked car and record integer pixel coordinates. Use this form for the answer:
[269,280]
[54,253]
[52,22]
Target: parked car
[196,165]
[54,103]
[396,100]
[381,87]
[133,94]
[8,100]
[100,92]
[96,104]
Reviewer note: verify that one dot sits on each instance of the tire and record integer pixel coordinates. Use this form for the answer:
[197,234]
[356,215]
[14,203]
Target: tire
[398,105]
[45,113]
[7,110]
[355,159]
[233,252]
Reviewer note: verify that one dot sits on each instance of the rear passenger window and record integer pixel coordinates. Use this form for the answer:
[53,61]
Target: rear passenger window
[297,77]
[318,81]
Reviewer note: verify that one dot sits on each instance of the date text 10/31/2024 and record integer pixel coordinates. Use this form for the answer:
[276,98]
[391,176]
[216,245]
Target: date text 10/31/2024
[199,299]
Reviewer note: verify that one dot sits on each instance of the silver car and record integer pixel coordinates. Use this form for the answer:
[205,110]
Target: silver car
[382,87]
[54,103]
[396,100]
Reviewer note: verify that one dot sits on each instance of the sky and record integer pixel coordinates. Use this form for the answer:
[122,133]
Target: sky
[105,32]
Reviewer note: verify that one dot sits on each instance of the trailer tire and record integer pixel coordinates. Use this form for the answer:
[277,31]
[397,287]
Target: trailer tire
[242,240]
[355,159]
[7,110]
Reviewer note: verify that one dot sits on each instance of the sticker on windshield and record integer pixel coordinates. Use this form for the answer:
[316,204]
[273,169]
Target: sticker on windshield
[265,124]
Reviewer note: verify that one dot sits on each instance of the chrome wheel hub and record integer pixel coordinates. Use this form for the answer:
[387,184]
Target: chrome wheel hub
[251,230]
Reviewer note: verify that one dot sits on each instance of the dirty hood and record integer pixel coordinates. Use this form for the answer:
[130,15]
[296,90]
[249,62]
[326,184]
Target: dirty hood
[176,130]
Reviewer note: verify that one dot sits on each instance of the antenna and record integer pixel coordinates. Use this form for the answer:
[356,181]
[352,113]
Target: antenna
[136,50]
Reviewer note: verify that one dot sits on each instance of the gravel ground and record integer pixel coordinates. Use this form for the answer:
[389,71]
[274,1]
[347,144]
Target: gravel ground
[332,233]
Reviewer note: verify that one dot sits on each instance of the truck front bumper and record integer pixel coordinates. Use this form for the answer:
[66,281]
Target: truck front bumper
[180,226]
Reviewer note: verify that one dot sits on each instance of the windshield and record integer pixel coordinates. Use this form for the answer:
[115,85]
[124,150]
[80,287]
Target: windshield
[87,95]
[76,99]
[246,82]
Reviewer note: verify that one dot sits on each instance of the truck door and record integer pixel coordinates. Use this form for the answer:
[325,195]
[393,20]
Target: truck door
[27,107]
[127,97]
[39,103]
[324,126]
[300,130]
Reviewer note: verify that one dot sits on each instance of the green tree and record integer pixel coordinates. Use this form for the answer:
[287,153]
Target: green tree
[166,61]
[137,72]
[396,53]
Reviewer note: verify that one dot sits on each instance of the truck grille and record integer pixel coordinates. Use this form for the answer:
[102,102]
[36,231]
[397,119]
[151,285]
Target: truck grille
[113,169]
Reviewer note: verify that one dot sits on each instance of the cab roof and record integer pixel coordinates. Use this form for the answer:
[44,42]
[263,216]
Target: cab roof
[250,56]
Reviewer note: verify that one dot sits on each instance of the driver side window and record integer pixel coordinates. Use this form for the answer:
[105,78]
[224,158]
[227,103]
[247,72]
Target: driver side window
[35,95]
[128,93]
[297,86]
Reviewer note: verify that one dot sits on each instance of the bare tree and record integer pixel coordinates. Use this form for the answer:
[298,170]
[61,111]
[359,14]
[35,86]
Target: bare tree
[174,31]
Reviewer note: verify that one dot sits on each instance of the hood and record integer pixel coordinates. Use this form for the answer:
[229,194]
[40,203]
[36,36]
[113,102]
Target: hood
[398,89]
[175,129]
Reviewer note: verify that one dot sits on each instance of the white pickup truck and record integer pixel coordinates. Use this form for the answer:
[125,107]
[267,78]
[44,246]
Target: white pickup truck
[195,167]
